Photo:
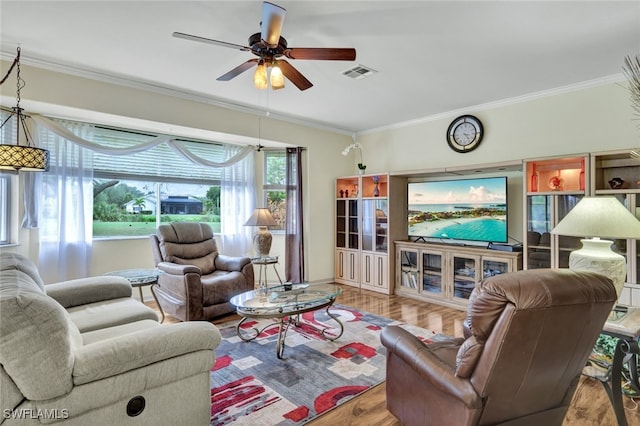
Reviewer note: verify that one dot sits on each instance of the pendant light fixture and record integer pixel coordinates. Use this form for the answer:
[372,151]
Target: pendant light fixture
[18,157]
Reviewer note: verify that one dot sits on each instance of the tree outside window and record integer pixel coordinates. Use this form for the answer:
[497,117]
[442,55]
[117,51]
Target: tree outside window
[274,186]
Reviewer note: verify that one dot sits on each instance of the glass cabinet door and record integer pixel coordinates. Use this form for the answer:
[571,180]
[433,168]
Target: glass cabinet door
[368,225]
[539,217]
[374,225]
[354,240]
[341,223]
[491,267]
[409,269]
[464,275]
[432,272]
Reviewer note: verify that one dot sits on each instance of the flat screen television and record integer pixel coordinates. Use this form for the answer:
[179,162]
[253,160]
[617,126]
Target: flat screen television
[462,209]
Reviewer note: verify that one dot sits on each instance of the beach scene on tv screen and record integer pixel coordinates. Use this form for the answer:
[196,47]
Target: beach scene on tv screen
[467,209]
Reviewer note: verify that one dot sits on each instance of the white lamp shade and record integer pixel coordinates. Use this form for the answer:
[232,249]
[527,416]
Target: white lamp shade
[599,217]
[261,217]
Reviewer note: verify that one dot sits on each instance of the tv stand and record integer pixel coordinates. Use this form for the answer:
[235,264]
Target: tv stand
[446,273]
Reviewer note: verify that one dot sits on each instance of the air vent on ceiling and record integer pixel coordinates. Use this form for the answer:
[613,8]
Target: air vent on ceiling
[359,71]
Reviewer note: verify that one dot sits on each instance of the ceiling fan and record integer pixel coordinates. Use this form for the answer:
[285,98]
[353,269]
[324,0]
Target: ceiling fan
[269,46]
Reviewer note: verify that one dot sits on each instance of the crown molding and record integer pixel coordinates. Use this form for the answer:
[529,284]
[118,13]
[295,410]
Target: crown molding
[610,79]
[134,83]
[140,84]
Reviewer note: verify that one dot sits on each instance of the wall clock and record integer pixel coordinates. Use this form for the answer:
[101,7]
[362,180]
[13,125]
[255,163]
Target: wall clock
[465,133]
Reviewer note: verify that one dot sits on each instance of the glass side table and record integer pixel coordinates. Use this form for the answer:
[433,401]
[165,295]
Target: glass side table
[264,262]
[623,323]
[141,278]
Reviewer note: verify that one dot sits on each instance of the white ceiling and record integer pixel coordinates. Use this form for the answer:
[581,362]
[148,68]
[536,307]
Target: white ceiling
[433,58]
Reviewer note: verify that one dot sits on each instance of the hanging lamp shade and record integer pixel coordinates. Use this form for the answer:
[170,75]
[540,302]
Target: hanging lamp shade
[18,157]
[23,158]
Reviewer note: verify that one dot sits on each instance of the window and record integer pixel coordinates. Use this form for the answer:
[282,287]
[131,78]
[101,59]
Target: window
[5,209]
[135,207]
[133,193]
[275,193]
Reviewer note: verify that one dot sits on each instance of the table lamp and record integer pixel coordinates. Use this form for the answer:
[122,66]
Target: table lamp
[262,218]
[597,217]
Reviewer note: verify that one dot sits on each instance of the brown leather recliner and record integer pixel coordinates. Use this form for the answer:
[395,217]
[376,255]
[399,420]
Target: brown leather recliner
[196,281]
[528,335]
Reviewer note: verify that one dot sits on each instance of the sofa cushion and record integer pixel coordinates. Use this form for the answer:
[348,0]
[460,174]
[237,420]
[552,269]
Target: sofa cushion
[35,327]
[110,313]
[118,330]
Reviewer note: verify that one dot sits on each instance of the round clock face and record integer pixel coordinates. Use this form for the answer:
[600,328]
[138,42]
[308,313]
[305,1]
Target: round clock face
[464,133]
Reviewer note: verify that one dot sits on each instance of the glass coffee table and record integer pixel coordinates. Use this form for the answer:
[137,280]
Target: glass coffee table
[285,303]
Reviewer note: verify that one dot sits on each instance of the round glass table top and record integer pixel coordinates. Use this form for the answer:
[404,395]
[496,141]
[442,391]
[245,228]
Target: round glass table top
[281,300]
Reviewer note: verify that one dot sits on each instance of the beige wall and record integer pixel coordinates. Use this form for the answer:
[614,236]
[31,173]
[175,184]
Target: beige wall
[82,97]
[593,119]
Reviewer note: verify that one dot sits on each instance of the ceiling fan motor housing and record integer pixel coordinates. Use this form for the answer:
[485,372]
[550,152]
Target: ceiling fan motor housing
[260,47]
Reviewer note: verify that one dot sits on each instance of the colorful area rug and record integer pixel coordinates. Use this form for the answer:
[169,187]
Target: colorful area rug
[251,386]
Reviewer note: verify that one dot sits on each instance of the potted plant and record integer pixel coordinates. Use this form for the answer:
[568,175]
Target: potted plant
[361,165]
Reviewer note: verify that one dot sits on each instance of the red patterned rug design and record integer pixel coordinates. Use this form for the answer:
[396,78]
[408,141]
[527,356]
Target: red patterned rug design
[251,386]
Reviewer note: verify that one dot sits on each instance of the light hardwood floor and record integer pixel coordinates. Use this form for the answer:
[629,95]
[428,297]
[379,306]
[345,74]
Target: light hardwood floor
[590,406]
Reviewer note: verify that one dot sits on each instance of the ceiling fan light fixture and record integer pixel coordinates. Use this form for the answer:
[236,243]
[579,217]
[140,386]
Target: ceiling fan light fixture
[260,76]
[276,78]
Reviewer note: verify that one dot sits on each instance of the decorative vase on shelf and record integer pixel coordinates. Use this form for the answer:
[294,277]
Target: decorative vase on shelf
[376,189]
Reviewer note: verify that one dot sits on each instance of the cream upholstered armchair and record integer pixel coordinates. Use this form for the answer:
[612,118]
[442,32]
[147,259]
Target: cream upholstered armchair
[196,282]
[528,335]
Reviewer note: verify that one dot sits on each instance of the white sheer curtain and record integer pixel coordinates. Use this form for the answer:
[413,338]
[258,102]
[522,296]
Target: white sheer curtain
[237,200]
[66,207]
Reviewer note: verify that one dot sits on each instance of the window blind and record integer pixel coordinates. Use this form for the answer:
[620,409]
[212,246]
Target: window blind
[154,164]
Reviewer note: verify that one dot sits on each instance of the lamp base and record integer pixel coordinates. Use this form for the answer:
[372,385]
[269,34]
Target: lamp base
[596,256]
[262,241]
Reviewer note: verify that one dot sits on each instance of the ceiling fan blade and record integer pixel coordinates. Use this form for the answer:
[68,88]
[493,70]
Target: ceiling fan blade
[210,41]
[272,20]
[238,70]
[294,75]
[321,53]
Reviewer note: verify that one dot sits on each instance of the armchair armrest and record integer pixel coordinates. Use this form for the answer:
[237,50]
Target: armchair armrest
[231,263]
[88,290]
[421,358]
[117,355]
[178,269]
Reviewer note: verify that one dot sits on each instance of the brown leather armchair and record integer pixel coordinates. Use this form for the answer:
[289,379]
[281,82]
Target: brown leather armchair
[196,281]
[528,335]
